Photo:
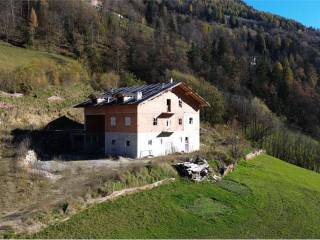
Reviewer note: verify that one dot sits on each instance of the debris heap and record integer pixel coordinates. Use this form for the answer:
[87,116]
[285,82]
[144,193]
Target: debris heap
[196,169]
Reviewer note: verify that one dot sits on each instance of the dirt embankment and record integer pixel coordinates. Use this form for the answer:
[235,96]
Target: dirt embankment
[29,194]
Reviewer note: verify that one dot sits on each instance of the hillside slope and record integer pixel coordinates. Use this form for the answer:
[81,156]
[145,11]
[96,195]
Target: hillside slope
[263,198]
[12,57]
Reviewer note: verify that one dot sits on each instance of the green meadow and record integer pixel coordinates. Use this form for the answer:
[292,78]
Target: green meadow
[263,198]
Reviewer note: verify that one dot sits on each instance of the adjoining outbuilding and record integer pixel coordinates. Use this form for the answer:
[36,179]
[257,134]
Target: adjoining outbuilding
[140,121]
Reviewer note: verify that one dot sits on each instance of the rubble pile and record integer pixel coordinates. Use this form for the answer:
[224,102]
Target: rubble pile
[197,169]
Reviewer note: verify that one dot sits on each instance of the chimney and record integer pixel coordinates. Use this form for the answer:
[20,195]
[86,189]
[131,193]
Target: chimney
[96,99]
[99,100]
[138,95]
[171,80]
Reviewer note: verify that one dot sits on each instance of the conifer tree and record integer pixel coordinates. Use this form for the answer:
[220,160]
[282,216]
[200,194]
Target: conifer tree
[312,75]
[277,73]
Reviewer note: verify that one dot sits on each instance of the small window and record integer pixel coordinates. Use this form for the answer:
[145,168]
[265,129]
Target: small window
[180,121]
[180,103]
[168,105]
[155,121]
[161,141]
[168,123]
[190,120]
[113,142]
[181,139]
[150,142]
[128,143]
[186,140]
[113,121]
[127,121]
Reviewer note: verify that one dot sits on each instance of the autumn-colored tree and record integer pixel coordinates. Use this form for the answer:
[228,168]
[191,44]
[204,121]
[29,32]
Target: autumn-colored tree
[33,24]
[33,20]
[312,75]
[277,73]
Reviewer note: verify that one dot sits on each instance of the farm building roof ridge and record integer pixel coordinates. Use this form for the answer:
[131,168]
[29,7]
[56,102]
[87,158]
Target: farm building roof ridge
[148,91]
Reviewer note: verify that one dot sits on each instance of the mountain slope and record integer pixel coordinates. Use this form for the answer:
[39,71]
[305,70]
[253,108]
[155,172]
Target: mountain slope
[227,43]
[263,198]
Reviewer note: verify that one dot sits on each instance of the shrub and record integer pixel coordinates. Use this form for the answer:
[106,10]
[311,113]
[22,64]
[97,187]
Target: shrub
[105,81]
[129,79]
[255,117]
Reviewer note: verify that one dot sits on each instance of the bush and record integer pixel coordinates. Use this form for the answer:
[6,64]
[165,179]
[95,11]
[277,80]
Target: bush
[254,116]
[105,81]
[128,79]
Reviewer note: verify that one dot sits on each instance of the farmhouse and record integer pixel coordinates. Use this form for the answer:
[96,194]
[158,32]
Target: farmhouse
[150,120]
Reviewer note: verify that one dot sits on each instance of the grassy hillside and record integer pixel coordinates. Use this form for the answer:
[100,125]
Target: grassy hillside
[25,70]
[39,75]
[263,198]
[13,57]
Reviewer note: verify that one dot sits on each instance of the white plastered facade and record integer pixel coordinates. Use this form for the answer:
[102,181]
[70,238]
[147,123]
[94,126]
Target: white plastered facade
[182,134]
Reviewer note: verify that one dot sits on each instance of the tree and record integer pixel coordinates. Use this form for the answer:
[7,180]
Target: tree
[261,44]
[312,75]
[287,80]
[288,75]
[33,24]
[262,77]
[194,57]
[277,73]
[151,11]
[222,48]
[190,8]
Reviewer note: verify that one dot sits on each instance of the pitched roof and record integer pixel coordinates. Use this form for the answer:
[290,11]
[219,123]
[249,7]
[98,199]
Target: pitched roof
[147,92]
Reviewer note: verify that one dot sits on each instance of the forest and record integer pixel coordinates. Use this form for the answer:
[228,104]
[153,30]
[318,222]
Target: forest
[231,53]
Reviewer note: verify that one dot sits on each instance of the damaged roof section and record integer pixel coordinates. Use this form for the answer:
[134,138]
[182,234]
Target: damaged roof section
[138,94]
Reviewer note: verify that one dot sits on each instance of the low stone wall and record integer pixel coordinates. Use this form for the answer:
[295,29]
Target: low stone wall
[128,191]
[254,154]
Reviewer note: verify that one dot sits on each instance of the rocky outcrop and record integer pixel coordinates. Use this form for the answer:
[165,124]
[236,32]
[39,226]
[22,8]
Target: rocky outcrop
[55,99]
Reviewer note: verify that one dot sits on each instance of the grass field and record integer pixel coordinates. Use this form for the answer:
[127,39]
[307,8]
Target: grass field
[263,198]
[13,57]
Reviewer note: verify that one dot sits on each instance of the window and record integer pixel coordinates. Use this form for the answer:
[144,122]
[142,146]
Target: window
[180,121]
[113,142]
[113,121]
[127,121]
[161,141]
[168,123]
[155,121]
[181,139]
[168,105]
[180,103]
[150,142]
[186,140]
[190,120]
[128,143]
